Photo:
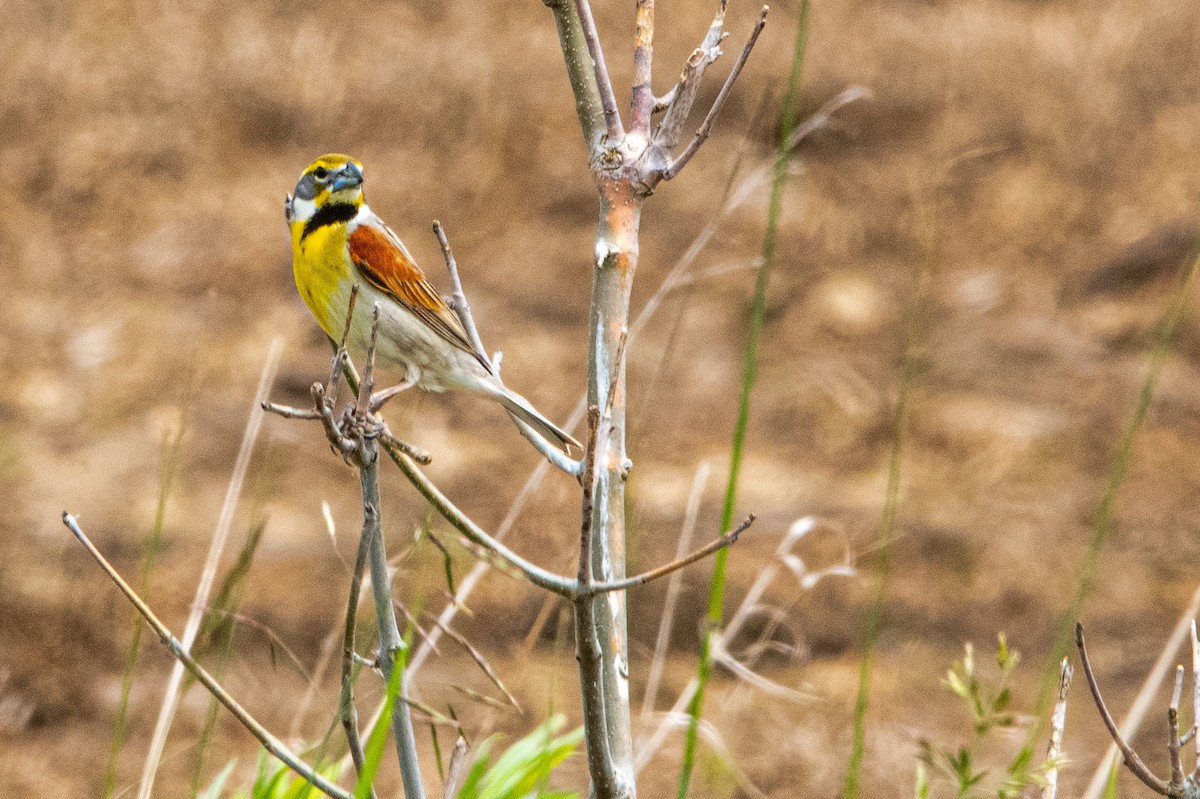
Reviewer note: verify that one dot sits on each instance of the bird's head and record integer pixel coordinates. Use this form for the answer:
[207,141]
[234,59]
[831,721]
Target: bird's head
[332,179]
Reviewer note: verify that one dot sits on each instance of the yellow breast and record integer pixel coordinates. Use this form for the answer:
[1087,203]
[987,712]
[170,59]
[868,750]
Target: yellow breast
[322,269]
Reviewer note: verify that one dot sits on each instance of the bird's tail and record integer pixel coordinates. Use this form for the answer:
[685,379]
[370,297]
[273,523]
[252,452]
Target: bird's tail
[520,407]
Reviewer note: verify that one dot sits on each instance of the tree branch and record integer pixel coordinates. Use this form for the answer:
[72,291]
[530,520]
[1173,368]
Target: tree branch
[588,650]
[678,102]
[385,614]
[1132,760]
[1057,725]
[458,300]
[473,532]
[608,101]
[643,102]
[269,741]
[706,126]
[1173,745]
[579,72]
[726,540]
[347,710]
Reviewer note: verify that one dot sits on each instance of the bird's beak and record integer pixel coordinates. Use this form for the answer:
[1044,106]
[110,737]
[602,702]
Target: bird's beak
[348,177]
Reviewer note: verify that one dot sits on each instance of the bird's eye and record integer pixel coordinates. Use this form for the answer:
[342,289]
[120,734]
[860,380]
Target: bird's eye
[320,172]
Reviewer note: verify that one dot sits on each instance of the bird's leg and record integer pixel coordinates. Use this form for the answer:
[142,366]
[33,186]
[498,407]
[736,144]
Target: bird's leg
[380,398]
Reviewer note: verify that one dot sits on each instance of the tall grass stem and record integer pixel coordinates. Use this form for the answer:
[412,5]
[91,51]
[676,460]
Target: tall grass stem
[716,595]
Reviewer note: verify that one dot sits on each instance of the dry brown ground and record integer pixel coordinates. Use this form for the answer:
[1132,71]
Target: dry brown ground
[1016,151]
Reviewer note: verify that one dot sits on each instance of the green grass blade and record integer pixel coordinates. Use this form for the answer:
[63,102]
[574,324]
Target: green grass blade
[373,751]
[716,594]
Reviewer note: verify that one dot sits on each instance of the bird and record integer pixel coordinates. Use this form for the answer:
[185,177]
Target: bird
[337,243]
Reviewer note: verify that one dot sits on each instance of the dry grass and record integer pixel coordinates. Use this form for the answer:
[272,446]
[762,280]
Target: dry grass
[1020,148]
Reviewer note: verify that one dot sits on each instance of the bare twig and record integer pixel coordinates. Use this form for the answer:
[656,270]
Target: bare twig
[340,356]
[288,412]
[480,661]
[588,650]
[458,299]
[474,533]
[363,435]
[1145,698]
[728,539]
[643,60]
[1132,760]
[224,522]
[705,128]
[1195,641]
[176,647]
[1057,725]
[367,386]
[416,453]
[346,710]
[608,101]
[679,101]
[1173,729]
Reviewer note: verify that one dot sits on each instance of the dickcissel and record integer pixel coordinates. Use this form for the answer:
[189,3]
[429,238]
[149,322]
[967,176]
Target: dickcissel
[337,242]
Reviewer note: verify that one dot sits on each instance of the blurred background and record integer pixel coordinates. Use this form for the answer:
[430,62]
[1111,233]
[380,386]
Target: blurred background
[1017,198]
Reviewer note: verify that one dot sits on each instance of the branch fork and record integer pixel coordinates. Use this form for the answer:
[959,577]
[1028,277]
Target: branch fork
[643,155]
[1180,786]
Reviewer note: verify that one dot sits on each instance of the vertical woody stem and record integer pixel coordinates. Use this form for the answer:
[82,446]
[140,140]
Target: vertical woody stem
[643,61]
[385,614]
[605,684]
[579,72]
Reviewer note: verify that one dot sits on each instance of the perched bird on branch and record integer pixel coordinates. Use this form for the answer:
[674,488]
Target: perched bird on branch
[338,242]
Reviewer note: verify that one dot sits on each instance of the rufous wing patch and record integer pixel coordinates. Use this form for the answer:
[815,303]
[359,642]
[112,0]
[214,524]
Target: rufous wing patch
[386,267]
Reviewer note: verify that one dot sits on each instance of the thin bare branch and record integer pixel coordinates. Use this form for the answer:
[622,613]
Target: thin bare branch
[705,128]
[1145,698]
[1057,725]
[679,101]
[176,647]
[1132,760]
[288,412]
[1195,641]
[643,68]
[480,661]
[458,299]
[1173,730]
[366,386]
[484,699]
[608,101]
[416,453]
[385,613]
[574,45]
[473,532]
[728,539]
[340,355]
[347,712]
[663,103]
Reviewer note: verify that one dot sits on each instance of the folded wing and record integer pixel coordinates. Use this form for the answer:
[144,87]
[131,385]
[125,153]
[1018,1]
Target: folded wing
[386,265]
